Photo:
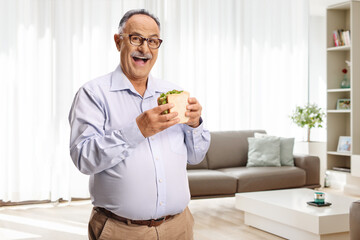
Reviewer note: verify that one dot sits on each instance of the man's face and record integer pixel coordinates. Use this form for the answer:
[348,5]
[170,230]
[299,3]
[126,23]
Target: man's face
[133,67]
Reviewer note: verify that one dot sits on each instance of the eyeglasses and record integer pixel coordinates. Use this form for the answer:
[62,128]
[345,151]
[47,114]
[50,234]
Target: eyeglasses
[137,40]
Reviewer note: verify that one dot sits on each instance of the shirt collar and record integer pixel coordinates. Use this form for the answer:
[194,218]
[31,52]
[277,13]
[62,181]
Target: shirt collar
[119,82]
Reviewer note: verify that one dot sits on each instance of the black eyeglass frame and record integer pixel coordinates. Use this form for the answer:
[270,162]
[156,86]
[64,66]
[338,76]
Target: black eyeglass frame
[142,40]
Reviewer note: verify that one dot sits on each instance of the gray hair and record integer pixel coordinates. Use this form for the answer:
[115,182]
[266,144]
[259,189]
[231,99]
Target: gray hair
[131,13]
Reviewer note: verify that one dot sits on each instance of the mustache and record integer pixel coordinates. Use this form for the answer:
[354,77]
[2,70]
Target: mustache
[137,54]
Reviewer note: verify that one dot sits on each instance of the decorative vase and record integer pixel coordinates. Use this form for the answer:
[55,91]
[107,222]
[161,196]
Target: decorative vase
[345,83]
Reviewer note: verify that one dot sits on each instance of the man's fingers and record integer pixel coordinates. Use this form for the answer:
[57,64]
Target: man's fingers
[192,100]
[161,108]
[167,117]
[193,107]
[170,123]
[192,114]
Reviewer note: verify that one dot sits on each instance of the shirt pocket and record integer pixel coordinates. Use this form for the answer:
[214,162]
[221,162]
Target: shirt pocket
[176,139]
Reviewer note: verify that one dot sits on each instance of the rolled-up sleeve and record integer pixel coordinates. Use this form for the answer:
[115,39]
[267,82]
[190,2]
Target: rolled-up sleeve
[93,149]
[197,142]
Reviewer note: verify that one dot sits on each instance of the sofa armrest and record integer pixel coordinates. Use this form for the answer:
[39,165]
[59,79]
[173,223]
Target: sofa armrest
[355,220]
[311,165]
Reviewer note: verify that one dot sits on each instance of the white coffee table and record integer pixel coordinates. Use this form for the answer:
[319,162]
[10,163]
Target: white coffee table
[285,213]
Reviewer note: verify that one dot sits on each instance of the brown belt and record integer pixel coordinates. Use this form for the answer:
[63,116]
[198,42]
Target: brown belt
[149,223]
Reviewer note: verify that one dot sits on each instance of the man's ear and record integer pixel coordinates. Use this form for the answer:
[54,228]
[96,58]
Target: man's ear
[118,41]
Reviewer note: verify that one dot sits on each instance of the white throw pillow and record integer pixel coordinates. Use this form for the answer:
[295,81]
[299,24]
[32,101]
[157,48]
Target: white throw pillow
[264,152]
[286,149]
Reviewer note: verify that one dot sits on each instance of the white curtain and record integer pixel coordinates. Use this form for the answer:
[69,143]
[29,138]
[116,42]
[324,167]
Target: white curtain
[245,60]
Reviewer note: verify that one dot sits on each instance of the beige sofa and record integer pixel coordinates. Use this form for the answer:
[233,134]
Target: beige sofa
[223,171]
[355,221]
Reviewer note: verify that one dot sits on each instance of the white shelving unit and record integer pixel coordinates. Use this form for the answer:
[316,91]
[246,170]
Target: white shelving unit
[343,122]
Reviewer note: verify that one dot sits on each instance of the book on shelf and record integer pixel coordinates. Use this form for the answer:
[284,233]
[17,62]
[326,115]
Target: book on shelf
[341,37]
[341,169]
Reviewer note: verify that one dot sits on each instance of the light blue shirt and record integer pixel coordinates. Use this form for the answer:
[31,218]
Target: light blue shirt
[134,177]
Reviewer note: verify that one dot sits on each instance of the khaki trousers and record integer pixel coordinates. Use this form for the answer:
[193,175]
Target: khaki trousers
[180,227]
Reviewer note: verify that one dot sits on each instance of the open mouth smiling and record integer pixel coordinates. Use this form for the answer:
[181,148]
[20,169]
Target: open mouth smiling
[140,58]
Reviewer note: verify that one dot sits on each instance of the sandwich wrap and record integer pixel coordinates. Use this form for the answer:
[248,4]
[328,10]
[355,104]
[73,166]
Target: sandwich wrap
[180,101]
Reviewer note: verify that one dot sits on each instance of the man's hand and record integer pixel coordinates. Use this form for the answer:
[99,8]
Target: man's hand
[152,121]
[195,112]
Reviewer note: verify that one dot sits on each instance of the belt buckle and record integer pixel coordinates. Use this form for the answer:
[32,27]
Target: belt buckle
[156,222]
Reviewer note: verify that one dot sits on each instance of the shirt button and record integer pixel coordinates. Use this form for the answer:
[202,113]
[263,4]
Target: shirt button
[161,203]
[157,159]
[160,180]
[188,132]
[152,138]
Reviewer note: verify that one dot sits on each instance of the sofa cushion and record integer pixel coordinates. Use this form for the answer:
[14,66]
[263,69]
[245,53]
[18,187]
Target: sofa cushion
[267,178]
[203,182]
[264,152]
[286,149]
[229,148]
[202,165]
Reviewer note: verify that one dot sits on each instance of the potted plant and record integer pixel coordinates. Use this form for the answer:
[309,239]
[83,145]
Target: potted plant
[309,116]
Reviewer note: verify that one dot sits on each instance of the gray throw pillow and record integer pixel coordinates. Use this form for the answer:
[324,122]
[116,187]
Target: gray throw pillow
[264,152]
[286,149]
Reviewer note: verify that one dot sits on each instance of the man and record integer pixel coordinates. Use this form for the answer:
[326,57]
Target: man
[136,157]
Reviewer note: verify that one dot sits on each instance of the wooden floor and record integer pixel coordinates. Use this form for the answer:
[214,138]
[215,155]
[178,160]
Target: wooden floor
[217,219]
[214,219]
